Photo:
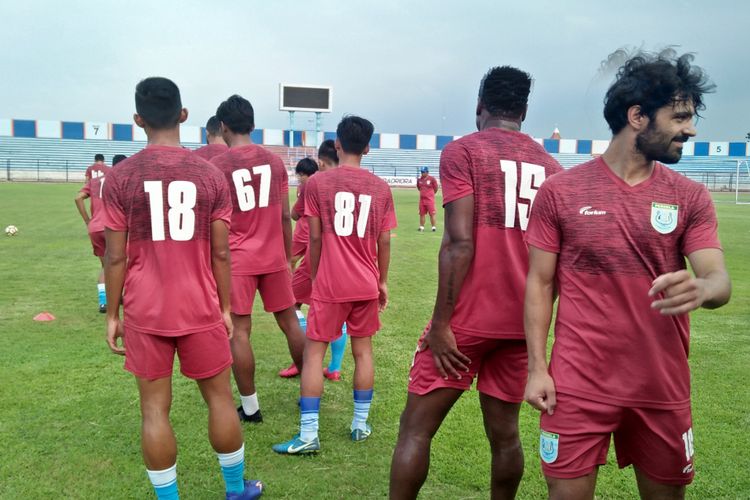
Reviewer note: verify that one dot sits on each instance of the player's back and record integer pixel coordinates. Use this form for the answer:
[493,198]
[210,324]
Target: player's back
[258,182]
[166,198]
[94,188]
[503,169]
[354,207]
[210,150]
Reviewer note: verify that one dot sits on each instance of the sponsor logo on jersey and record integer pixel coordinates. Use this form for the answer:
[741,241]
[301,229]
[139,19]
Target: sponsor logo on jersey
[591,211]
[548,443]
[663,217]
[688,469]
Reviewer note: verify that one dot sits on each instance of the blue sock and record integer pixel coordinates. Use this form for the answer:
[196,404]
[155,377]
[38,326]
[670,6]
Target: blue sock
[233,470]
[165,483]
[338,347]
[309,409]
[362,402]
[302,321]
[102,294]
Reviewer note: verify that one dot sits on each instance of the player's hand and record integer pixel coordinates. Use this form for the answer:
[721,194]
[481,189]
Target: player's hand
[226,316]
[115,331]
[382,296]
[540,392]
[448,359]
[681,293]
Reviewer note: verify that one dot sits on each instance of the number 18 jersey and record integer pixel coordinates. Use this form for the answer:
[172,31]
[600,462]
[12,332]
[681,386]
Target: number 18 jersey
[166,198]
[503,169]
[354,207]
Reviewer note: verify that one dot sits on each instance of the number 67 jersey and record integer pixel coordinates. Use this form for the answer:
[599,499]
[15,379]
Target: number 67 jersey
[165,198]
[354,207]
[503,170]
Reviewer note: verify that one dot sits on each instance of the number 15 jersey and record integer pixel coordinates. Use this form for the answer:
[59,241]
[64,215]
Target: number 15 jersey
[354,207]
[503,169]
[166,198]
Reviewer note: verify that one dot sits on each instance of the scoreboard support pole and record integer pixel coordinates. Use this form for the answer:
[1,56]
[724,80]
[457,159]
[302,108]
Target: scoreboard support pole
[318,119]
[291,129]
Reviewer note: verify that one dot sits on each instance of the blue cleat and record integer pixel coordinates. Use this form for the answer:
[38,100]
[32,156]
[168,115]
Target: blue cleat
[296,446]
[253,489]
[361,434]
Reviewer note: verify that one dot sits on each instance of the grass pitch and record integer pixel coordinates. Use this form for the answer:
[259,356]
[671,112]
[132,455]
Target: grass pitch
[69,417]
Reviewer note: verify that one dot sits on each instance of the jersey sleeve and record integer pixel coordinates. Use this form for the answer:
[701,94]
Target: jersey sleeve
[702,226]
[284,176]
[86,189]
[455,173]
[312,203]
[222,208]
[114,207]
[544,226]
[389,214]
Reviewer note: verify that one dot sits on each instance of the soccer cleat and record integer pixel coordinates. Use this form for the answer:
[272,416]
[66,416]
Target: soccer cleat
[434,229]
[102,308]
[361,434]
[421,229]
[296,446]
[255,418]
[290,372]
[253,489]
[333,376]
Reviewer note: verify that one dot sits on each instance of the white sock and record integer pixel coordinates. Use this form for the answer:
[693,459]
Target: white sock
[250,403]
[300,314]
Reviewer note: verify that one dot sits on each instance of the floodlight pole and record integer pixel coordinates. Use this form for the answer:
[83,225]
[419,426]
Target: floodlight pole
[318,119]
[291,129]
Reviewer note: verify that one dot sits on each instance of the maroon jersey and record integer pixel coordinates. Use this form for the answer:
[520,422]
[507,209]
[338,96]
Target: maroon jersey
[427,186]
[166,198]
[301,228]
[503,170]
[93,189]
[96,170]
[210,150]
[613,240]
[354,207]
[258,182]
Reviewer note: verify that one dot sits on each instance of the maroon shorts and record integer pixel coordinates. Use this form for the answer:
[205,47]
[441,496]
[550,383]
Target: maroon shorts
[202,355]
[426,207]
[575,440]
[98,242]
[275,290]
[325,319]
[302,285]
[500,366]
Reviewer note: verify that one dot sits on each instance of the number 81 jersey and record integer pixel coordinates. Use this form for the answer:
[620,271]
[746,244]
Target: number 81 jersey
[166,198]
[503,170]
[354,207]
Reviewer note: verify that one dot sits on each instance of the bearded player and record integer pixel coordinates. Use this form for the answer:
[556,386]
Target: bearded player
[612,236]
[489,181]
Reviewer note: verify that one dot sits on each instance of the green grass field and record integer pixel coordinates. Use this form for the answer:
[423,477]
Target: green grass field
[69,417]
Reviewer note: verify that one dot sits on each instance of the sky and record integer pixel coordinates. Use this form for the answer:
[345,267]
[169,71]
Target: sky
[411,67]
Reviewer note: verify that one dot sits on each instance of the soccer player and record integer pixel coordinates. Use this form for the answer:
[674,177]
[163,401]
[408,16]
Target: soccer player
[93,189]
[351,214]
[611,235]
[166,216]
[96,169]
[216,144]
[427,186]
[301,282]
[489,182]
[261,243]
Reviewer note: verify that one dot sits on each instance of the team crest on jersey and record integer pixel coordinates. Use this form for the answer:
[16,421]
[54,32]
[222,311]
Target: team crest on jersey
[663,217]
[548,443]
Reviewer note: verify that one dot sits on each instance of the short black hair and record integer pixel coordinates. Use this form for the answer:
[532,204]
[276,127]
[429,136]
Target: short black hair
[213,126]
[117,159]
[354,134]
[306,166]
[158,102]
[653,81]
[98,157]
[237,114]
[504,91]
[327,150]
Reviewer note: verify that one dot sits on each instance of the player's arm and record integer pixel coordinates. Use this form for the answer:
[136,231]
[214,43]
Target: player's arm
[456,254]
[384,261]
[315,244]
[286,226]
[222,269]
[82,206]
[682,292]
[434,185]
[298,209]
[537,315]
[115,261]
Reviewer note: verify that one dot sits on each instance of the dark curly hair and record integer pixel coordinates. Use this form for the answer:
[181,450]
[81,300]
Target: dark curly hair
[653,81]
[158,102]
[237,113]
[504,91]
